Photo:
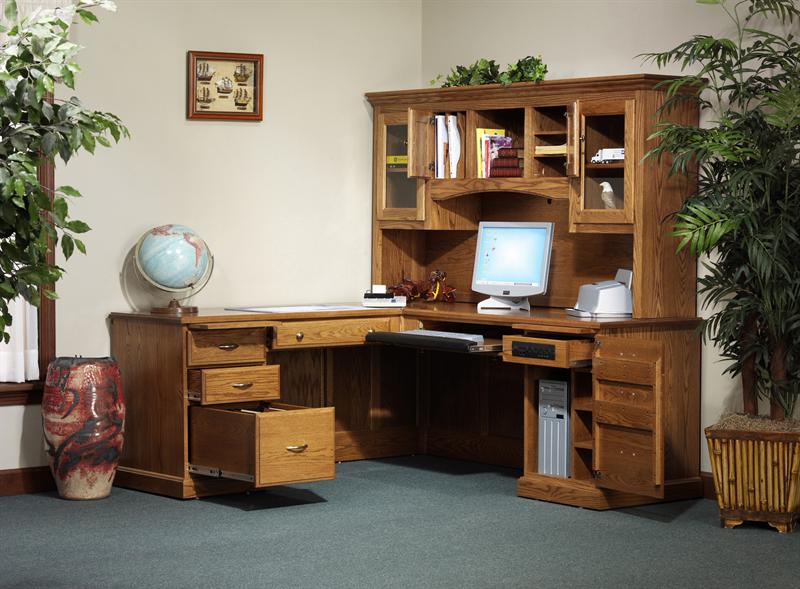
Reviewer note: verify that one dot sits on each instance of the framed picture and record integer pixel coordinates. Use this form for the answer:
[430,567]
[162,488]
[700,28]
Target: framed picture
[225,86]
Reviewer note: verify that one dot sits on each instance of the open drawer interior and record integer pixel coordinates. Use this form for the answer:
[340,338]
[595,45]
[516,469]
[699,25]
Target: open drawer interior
[263,443]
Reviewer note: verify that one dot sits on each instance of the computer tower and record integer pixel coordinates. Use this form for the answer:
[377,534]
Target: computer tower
[554,430]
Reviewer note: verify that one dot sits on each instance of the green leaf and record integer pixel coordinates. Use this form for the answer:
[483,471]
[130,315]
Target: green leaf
[80,245]
[78,226]
[10,11]
[88,141]
[68,190]
[86,16]
[49,143]
[60,209]
[67,246]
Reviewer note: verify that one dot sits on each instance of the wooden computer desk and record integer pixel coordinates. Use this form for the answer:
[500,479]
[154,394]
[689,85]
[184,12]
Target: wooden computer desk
[635,384]
[634,399]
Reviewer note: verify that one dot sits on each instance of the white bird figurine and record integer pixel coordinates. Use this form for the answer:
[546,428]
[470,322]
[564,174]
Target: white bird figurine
[607,195]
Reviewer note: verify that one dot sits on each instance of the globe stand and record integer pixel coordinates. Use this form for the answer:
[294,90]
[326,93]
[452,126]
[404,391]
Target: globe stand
[174,308]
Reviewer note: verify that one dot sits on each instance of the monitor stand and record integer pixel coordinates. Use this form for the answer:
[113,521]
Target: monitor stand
[504,304]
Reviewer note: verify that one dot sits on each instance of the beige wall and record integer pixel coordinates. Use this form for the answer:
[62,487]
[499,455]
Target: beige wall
[285,204]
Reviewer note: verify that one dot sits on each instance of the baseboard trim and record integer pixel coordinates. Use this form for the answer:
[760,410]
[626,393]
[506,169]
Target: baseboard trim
[19,481]
[708,485]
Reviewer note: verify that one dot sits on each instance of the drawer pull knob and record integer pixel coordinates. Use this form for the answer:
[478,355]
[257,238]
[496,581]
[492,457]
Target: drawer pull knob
[299,336]
[242,385]
[228,347]
[297,449]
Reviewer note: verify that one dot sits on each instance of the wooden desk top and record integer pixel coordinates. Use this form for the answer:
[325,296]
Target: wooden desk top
[542,317]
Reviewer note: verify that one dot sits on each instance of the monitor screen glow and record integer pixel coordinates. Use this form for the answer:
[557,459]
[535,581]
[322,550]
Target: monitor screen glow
[512,259]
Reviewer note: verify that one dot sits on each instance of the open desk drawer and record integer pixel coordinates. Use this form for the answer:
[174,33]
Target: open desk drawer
[238,384]
[281,445]
[559,353]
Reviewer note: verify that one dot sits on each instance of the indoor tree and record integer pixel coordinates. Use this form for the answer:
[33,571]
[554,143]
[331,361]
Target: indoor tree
[35,128]
[745,212]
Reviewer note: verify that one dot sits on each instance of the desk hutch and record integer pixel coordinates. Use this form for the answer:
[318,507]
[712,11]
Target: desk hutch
[197,386]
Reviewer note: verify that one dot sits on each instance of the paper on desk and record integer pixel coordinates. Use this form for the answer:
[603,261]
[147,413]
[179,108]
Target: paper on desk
[297,309]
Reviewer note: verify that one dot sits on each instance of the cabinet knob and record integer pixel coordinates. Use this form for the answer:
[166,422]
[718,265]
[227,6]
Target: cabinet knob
[297,449]
[299,336]
[242,385]
[228,347]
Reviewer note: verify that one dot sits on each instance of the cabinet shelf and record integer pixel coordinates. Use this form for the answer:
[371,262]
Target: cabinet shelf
[583,445]
[397,170]
[612,166]
[555,188]
[582,404]
[543,133]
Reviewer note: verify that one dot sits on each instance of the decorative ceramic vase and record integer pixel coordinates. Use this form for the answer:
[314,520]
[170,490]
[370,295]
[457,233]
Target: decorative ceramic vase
[83,415]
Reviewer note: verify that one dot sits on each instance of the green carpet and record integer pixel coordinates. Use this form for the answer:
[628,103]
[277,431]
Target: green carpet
[406,522]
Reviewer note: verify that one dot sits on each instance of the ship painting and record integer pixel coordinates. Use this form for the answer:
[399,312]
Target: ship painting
[204,98]
[204,71]
[241,74]
[241,99]
[225,85]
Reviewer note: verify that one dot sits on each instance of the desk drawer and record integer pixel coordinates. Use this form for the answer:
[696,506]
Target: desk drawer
[227,346]
[307,334]
[282,445]
[234,385]
[547,352]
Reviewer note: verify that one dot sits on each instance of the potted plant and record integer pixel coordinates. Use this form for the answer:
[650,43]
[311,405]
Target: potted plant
[82,408]
[744,217]
[35,127]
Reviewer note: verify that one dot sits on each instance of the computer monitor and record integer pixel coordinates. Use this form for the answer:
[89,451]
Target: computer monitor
[512,262]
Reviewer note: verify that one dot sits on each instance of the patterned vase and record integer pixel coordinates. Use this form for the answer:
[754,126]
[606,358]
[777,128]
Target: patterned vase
[83,416]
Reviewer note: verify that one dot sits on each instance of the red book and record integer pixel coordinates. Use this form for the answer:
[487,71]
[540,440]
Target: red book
[509,152]
[508,162]
[505,172]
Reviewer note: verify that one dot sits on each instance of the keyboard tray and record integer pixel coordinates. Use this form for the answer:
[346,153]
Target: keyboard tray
[425,342]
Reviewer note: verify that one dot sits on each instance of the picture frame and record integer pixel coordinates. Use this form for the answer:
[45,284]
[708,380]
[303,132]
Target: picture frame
[224,86]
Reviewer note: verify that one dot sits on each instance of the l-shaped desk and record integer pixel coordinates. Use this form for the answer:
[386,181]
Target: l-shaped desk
[225,401]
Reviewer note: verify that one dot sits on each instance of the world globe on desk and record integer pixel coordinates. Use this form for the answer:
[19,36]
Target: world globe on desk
[173,259]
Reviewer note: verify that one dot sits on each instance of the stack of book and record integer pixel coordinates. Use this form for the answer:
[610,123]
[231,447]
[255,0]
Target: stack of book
[507,163]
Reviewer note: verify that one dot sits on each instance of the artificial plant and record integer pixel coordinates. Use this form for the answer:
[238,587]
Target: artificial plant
[745,213]
[35,128]
[486,71]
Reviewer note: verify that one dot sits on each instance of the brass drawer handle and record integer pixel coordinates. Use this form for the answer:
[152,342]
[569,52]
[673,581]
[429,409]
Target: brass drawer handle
[228,347]
[297,449]
[242,385]
[299,336]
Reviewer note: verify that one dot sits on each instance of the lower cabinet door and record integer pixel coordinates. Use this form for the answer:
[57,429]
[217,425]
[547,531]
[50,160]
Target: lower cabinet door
[628,448]
[277,445]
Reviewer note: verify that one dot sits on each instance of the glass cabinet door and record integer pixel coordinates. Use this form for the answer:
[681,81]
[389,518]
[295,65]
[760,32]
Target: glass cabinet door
[605,189]
[399,197]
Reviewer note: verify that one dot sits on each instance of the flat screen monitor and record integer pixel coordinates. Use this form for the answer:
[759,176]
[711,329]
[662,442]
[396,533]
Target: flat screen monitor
[512,262]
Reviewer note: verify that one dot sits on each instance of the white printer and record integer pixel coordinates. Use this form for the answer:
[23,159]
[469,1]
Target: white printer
[609,298]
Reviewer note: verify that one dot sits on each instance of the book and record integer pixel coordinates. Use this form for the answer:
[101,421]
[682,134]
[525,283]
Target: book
[511,152]
[508,162]
[495,144]
[454,145]
[550,149]
[481,148]
[396,161]
[505,173]
[441,146]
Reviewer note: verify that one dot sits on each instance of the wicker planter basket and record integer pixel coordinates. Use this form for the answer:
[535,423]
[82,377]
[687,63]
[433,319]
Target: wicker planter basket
[756,476]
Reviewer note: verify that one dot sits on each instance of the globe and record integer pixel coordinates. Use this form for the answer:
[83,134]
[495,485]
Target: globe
[174,259]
